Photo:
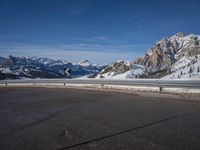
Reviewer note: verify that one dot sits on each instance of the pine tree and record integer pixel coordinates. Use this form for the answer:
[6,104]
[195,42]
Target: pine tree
[190,71]
[198,70]
[181,73]
[189,53]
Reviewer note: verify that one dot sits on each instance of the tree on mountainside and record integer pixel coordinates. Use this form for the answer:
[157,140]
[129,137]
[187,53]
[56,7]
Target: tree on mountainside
[190,71]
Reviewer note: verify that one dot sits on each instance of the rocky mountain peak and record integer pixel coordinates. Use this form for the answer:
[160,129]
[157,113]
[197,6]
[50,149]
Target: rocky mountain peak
[180,34]
[85,63]
[165,52]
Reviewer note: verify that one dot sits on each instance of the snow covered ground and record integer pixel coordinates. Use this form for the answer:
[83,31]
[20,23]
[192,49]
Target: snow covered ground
[185,68]
[127,75]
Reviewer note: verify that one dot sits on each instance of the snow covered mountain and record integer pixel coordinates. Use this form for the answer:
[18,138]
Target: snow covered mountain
[176,57]
[33,67]
[171,55]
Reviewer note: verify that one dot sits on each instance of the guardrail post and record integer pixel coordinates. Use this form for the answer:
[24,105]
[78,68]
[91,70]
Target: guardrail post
[102,85]
[6,84]
[64,84]
[160,86]
[160,89]
[33,83]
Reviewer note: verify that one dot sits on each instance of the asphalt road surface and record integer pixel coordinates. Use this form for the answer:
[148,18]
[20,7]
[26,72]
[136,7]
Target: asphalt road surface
[58,119]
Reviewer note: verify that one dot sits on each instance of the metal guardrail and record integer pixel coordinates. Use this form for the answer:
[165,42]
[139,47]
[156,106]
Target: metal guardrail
[128,82]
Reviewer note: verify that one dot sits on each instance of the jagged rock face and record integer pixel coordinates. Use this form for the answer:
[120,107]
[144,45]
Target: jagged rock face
[168,50]
[158,57]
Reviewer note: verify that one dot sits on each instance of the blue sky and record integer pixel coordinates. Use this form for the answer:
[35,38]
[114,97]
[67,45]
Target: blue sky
[99,30]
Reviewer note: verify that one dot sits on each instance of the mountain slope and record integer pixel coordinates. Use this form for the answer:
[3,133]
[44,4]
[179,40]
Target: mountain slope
[185,68]
[121,70]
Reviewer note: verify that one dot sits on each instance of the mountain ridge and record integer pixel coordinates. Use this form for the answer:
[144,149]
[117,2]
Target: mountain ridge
[34,67]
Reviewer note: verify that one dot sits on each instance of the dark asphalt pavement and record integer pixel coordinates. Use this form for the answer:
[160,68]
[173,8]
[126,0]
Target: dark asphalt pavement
[57,119]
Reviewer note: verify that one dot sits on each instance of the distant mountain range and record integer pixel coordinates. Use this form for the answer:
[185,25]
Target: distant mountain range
[33,67]
[176,57]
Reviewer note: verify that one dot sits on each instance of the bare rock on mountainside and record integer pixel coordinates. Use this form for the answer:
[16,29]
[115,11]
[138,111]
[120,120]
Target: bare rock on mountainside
[117,68]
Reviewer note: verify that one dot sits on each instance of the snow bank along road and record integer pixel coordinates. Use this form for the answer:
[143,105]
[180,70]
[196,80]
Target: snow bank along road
[128,82]
[58,119]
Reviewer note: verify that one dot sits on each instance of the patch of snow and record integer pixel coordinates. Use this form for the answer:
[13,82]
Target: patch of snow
[132,73]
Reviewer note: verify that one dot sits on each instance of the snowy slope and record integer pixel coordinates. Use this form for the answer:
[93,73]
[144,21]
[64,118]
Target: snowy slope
[127,75]
[185,68]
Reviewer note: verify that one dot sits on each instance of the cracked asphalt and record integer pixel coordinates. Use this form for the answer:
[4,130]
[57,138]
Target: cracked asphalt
[56,119]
